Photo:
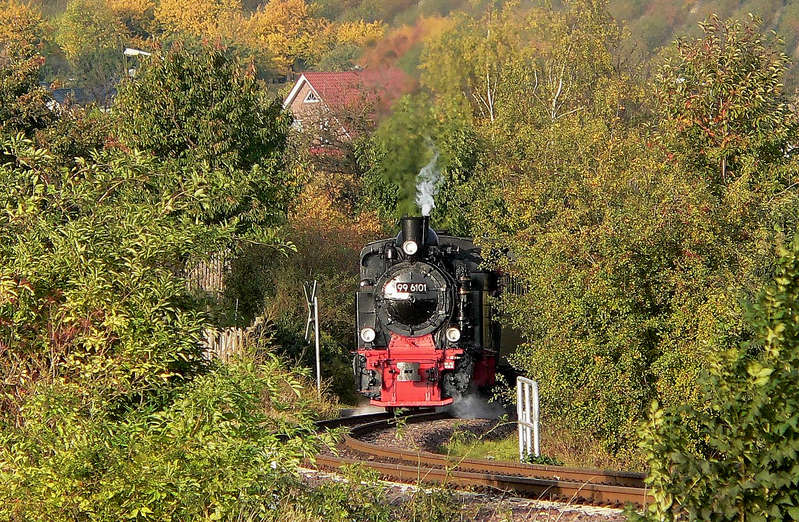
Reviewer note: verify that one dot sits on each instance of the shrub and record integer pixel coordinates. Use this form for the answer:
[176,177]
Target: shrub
[735,456]
[224,447]
[76,133]
[327,241]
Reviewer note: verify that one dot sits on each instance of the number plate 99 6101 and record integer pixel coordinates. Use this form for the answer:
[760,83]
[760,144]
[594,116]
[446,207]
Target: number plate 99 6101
[409,288]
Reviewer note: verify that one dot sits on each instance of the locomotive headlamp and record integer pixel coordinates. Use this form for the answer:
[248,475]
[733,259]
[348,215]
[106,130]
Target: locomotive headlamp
[410,247]
[368,335]
[453,335]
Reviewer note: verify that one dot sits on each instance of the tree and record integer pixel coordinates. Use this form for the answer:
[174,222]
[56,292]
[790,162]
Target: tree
[471,58]
[204,111]
[138,16]
[23,104]
[724,98]
[418,134]
[201,105]
[360,33]
[735,457]
[92,39]
[290,31]
[21,24]
[208,18]
[634,262]
[73,301]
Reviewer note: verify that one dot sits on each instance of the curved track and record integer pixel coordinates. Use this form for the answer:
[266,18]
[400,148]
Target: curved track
[575,485]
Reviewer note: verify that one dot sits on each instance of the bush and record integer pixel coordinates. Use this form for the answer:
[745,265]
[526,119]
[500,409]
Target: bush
[636,228]
[23,103]
[203,111]
[76,133]
[734,457]
[224,447]
[327,241]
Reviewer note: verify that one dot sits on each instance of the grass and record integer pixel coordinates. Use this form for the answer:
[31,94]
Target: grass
[570,449]
[475,448]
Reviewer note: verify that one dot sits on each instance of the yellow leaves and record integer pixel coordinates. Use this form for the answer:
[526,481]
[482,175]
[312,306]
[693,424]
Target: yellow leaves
[11,288]
[19,23]
[135,8]
[210,18]
[760,374]
[287,29]
[88,26]
[360,33]
[115,321]
[134,13]
[775,334]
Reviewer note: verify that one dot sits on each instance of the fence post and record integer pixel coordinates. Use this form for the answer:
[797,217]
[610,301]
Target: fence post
[520,417]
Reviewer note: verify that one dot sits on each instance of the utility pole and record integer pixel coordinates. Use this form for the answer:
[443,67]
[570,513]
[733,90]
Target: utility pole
[309,288]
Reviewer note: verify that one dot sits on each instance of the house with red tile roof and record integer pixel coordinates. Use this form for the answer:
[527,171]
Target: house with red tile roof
[331,98]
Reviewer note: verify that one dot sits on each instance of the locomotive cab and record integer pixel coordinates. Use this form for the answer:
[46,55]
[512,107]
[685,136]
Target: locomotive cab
[424,328]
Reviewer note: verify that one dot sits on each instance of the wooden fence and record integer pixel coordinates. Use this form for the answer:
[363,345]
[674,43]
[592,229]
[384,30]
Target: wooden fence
[209,275]
[228,343]
[225,344]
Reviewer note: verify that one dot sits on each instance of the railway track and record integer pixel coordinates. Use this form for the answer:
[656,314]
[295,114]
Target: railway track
[574,485]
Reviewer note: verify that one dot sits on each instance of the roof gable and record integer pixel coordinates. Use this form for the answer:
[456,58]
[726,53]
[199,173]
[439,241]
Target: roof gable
[342,89]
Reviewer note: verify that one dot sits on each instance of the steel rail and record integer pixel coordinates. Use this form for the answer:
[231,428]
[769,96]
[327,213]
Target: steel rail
[596,476]
[552,482]
[544,489]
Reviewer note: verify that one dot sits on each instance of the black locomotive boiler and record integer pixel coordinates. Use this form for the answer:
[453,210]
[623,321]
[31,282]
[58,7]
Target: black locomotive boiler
[425,332]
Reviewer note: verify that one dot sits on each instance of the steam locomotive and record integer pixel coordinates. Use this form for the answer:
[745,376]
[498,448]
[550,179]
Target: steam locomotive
[425,333]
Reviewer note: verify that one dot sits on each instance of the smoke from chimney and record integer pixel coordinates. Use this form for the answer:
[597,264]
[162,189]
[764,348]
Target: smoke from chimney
[427,182]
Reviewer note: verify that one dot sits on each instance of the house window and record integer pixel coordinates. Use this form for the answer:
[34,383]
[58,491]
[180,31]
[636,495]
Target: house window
[311,98]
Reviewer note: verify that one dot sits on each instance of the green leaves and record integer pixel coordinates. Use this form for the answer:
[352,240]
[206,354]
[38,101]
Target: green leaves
[403,144]
[212,451]
[744,463]
[636,252]
[101,242]
[725,105]
[203,113]
[202,106]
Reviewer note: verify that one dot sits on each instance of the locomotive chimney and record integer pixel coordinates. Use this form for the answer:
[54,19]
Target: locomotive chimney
[415,229]
[416,235]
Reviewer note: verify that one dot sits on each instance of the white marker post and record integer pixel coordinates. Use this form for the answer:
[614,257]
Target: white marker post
[316,339]
[527,417]
[313,318]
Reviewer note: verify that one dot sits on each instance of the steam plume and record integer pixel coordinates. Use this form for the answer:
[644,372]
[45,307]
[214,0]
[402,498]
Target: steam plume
[472,406]
[427,182]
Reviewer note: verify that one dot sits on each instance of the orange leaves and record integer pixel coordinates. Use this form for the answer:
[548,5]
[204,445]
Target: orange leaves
[318,216]
[399,41]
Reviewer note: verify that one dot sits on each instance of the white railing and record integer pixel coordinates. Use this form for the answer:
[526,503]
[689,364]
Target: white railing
[527,415]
